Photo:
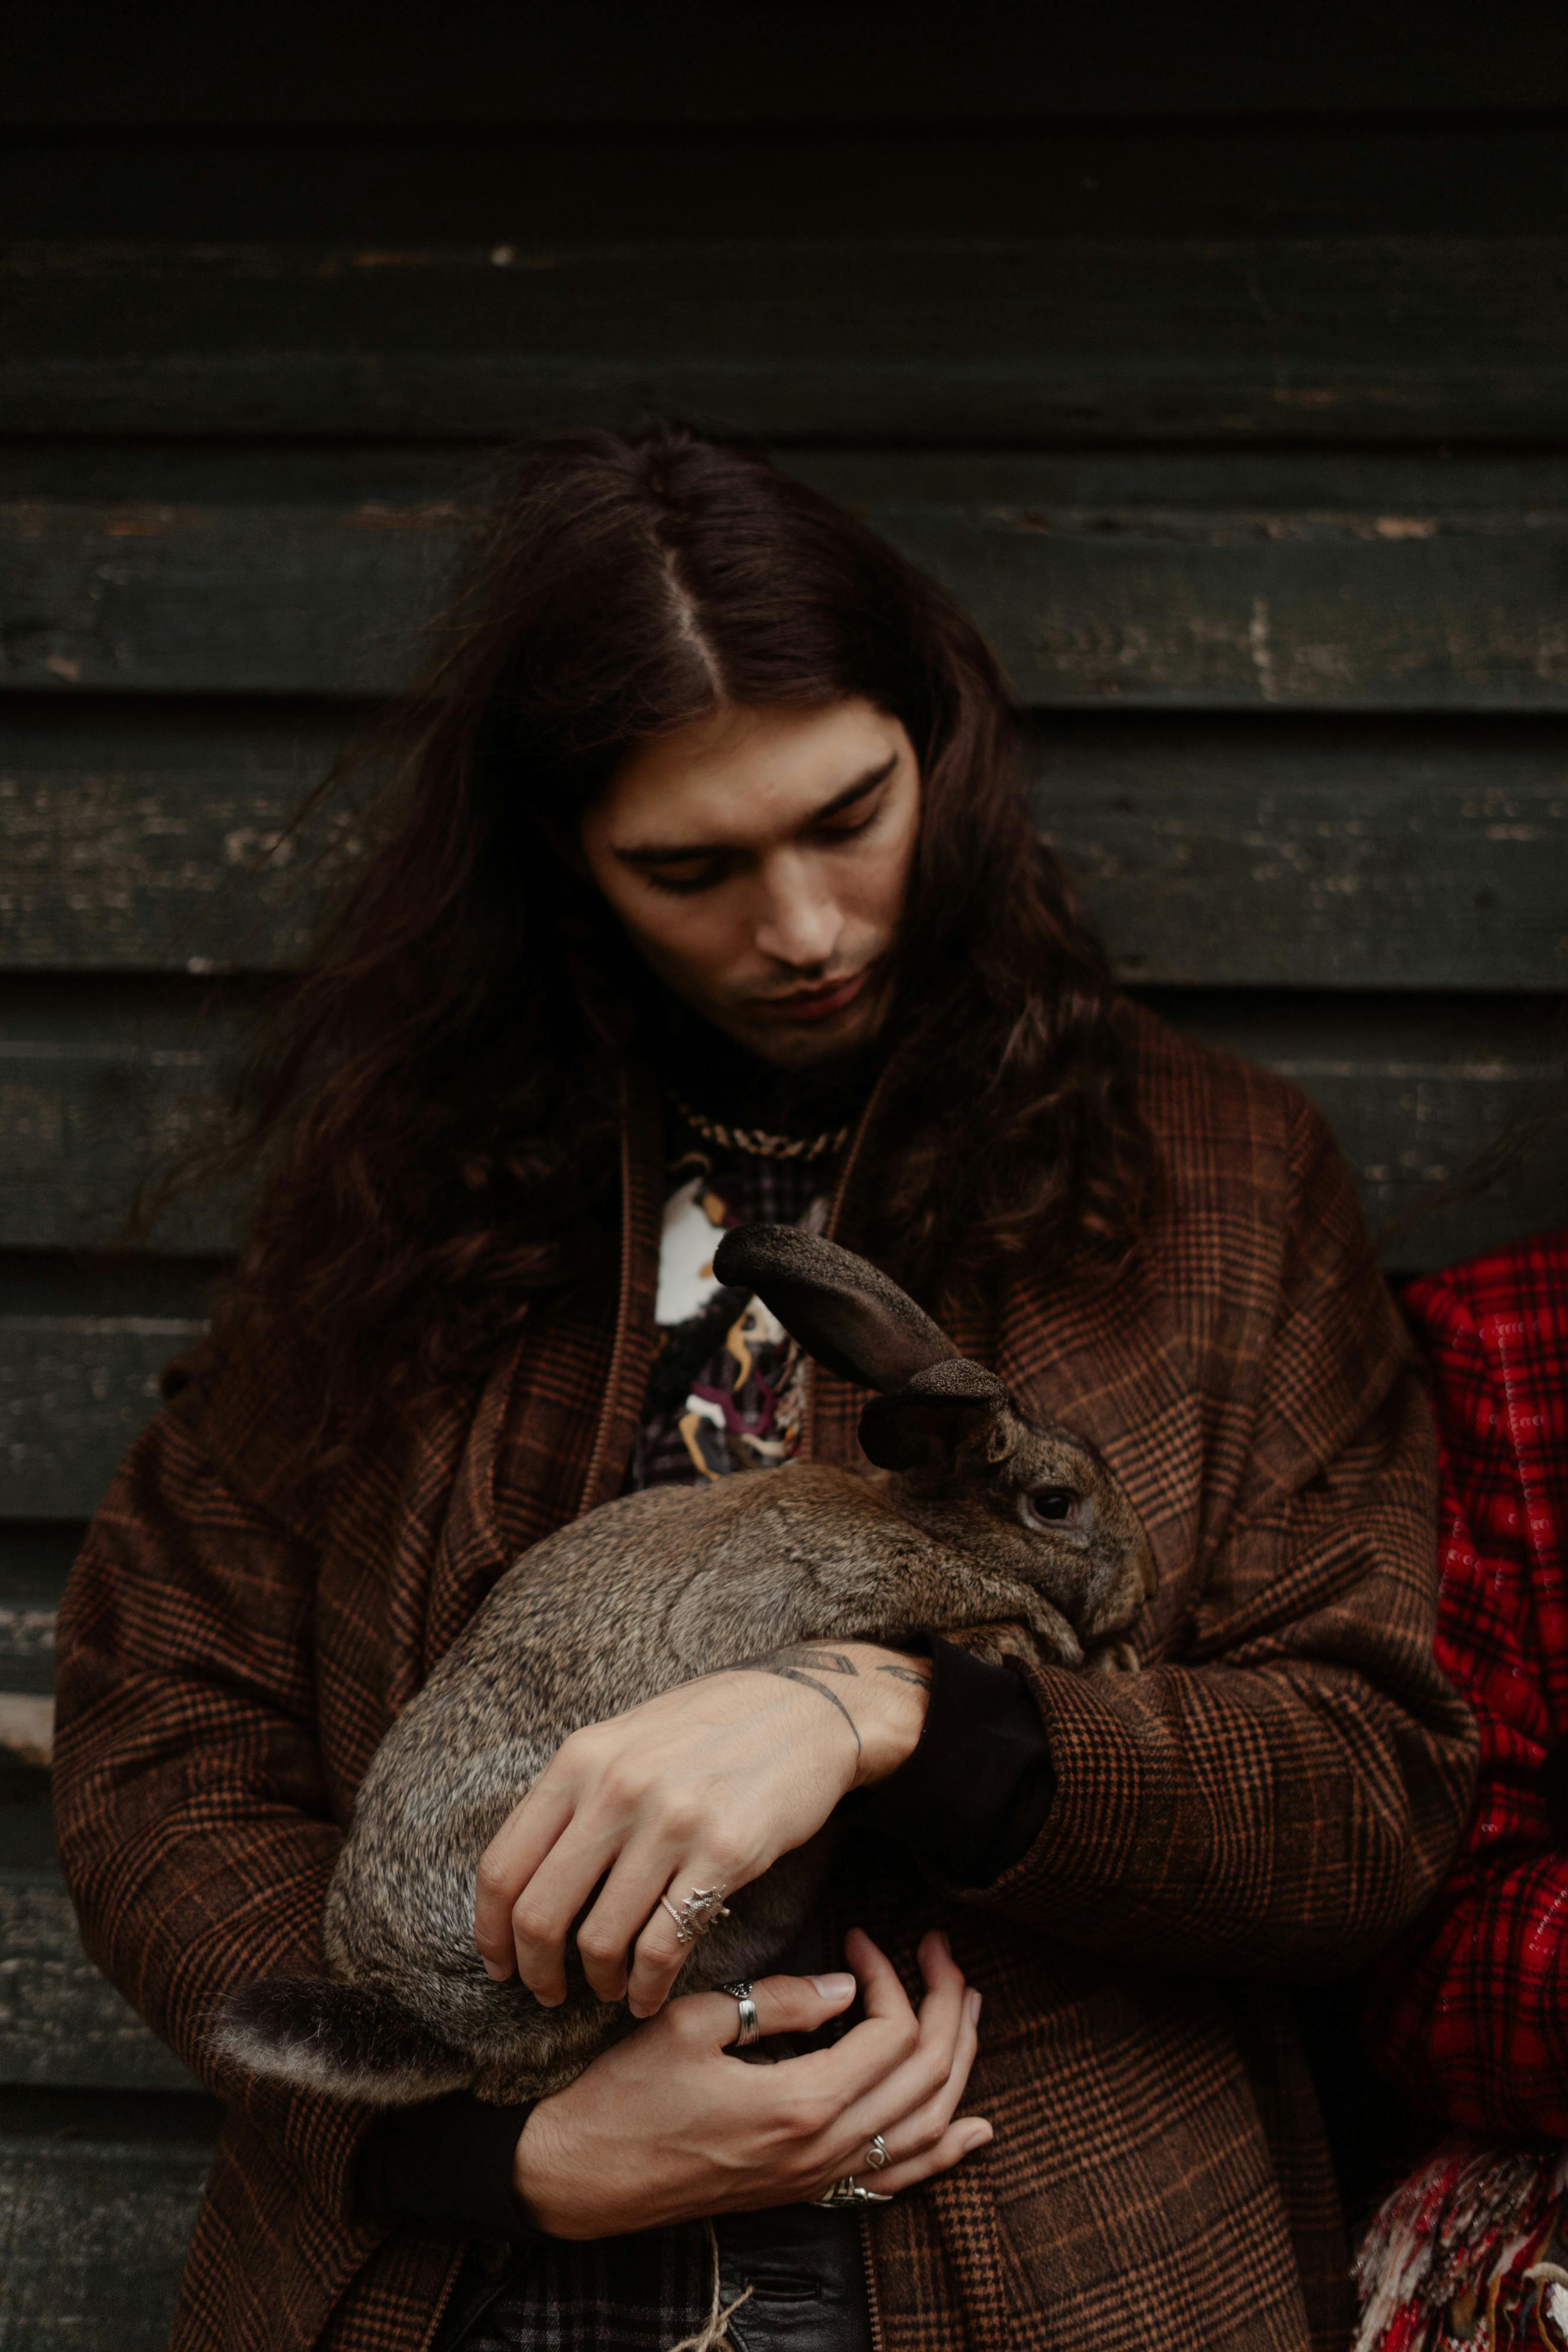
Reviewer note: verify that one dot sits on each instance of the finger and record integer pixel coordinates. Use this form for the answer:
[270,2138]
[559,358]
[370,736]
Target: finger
[926,2125]
[925,2064]
[784,2005]
[507,1863]
[959,2140]
[871,2050]
[630,1898]
[660,1954]
[543,1912]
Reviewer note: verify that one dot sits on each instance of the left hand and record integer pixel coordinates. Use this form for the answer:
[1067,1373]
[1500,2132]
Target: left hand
[705,1786]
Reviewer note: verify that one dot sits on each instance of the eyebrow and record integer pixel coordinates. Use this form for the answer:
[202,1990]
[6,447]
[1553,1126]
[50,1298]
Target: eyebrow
[682,852]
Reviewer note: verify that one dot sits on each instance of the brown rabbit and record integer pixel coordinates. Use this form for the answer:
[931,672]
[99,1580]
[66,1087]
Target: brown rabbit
[978,1517]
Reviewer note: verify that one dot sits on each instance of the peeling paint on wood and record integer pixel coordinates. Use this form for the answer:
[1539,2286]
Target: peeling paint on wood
[27,1728]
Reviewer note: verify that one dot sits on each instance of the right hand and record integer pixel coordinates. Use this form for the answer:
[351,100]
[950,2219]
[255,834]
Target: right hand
[668,2126]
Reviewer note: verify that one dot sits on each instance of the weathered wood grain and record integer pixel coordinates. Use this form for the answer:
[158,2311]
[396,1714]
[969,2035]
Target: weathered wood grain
[74,1391]
[1253,854]
[26,1728]
[958,339]
[92,2235]
[700,62]
[95,1099]
[26,1650]
[409,190]
[1246,853]
[1296,584]
[63,2026]
[154,842]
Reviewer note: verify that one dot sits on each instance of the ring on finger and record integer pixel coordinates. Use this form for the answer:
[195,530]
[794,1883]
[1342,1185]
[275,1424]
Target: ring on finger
[750,2030]
[849,2191]
[703,1908]
[877,2157]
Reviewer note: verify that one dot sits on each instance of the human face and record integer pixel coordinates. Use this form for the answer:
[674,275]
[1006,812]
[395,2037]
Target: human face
[758,862]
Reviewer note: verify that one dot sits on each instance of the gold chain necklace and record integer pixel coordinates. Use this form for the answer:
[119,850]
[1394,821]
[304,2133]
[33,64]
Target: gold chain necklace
[756,1144]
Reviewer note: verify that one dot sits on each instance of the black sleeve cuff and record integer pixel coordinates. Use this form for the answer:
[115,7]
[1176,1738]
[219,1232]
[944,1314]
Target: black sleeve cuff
[973,1797]
[448,2164]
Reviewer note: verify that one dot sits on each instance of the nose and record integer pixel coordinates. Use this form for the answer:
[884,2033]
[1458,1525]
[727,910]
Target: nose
[799,922]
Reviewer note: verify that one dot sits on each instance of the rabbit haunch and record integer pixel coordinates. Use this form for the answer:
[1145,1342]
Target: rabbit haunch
[975,1518]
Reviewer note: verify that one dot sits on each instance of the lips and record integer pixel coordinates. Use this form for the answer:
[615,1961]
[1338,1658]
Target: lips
[815,1004]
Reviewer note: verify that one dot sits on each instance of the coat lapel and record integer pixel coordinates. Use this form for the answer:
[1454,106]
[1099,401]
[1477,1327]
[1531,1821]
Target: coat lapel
[556,1420]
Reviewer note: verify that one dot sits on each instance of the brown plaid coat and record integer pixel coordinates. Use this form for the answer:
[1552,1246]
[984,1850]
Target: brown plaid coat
[1270,1799]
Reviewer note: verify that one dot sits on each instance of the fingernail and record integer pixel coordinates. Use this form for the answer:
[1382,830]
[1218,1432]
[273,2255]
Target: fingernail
[972,2002]
[494,1971]
[835,1988]
[945,1944]
[977,2137]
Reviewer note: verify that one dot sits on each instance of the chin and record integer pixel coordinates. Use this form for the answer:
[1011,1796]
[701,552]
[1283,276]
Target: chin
[812,1046]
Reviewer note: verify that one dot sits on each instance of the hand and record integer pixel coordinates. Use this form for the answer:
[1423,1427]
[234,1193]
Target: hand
[667,2125]
[705,1786]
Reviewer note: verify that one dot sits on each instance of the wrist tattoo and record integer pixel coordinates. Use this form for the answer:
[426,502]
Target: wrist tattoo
[915,1671]
[805,1662]
[802,1662]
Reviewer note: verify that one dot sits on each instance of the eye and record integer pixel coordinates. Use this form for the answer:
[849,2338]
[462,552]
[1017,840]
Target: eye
[684,885]
[851,822]
[1052,1504]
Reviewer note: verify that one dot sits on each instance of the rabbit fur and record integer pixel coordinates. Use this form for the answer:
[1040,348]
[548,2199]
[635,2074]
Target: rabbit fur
[655,1590]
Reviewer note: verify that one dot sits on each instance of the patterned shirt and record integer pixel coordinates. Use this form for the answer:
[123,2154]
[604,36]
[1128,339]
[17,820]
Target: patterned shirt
[725,1392]
[1475,2020]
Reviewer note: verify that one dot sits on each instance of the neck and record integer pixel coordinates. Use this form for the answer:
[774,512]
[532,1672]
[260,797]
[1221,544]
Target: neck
[708,1070]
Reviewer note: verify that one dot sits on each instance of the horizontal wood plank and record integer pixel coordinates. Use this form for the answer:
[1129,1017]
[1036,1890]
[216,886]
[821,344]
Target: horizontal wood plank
[1253,855]
[93,2236]
[701,61]
[1292,583]
[410,188]
[96,1101]
[155,842]
[74,1391]
[1075,339]
[1240,852]
[62,2024]
[1417,1092]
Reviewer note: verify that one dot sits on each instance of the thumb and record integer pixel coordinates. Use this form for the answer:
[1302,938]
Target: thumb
[784,2005]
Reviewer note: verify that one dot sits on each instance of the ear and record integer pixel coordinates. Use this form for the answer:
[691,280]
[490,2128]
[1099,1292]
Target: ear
[927,1423]
[842,1310]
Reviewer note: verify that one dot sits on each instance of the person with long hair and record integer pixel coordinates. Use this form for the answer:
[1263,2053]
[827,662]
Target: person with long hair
[704,890]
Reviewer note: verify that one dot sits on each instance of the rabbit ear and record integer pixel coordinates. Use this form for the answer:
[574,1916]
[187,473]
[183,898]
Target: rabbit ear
[843,1311]
[924,1425]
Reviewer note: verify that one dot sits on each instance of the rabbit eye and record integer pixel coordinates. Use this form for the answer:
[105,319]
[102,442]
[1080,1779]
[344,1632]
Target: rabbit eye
[1052,1504]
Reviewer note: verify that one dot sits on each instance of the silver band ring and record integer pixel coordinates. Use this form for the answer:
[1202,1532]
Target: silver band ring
[702,1909]
[877,2158]
[750,2030]
[850,2192]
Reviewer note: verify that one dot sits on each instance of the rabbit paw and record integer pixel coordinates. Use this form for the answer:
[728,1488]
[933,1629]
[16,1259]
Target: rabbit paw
[1112,1658]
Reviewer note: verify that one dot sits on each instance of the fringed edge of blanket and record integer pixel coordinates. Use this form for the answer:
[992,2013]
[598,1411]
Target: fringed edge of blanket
[1471,2221]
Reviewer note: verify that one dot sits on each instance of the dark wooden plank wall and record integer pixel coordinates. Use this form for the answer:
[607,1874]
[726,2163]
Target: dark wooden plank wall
[1222,377]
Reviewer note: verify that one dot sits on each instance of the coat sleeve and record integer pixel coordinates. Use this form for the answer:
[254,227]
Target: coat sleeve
[191,1804]
[1471,2013]
[1282,1800]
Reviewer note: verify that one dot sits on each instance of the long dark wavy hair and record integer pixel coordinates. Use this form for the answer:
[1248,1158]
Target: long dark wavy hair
[432,1113]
